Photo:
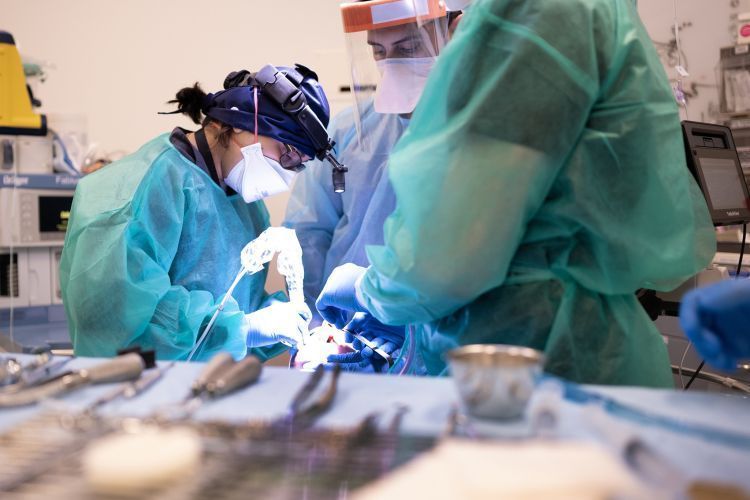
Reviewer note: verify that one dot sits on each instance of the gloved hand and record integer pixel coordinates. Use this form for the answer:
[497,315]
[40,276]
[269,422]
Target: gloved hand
[338,298]
[389,339]
[717,320]
[280,322]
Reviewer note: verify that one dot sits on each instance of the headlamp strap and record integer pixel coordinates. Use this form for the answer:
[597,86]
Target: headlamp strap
[205,151]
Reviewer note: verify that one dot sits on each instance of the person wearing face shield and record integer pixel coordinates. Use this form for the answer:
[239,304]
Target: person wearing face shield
[390,62]
[542,181]
[154,239]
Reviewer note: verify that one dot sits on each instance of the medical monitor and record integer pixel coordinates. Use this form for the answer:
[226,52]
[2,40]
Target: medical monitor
[713,160]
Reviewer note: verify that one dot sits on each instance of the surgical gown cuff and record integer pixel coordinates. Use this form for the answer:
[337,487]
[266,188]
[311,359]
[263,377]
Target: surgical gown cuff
[358,293]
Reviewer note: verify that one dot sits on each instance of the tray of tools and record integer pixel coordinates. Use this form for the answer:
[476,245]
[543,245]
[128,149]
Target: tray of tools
[86,455]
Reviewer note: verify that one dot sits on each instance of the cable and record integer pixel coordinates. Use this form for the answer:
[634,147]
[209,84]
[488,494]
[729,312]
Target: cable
[717,379]
[695,374]
[736,276]
[679,93]
[742,251]
[682,364]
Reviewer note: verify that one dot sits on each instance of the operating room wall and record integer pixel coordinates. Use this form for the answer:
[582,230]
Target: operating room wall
[706,27]
[117,62]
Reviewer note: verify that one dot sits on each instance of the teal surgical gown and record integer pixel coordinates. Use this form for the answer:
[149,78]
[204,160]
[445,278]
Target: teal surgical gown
[334,228]
[152,245]
[541,182]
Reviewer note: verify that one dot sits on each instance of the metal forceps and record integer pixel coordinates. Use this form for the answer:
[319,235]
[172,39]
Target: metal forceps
[302,414]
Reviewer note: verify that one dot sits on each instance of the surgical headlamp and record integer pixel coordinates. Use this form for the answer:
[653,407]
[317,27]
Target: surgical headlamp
[283,88]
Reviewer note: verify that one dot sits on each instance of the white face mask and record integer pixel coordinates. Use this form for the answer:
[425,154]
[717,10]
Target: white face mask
[256,176]
[401,83]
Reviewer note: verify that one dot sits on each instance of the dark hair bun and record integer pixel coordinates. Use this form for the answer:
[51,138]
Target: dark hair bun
[189,101]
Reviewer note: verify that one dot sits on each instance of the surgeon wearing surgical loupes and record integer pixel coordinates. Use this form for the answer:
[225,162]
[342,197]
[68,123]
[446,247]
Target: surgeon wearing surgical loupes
[154,239]
[541,182]
[394,57]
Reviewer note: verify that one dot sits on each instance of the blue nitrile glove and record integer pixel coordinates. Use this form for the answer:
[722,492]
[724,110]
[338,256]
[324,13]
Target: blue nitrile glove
[352,361]
[716,319]
[339,298]
[387,338]
[280,322]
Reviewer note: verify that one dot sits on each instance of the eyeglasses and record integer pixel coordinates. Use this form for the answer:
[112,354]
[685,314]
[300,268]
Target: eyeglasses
[292,159]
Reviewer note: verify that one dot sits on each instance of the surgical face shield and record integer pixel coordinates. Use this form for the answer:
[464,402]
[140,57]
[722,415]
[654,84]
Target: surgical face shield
[392,46]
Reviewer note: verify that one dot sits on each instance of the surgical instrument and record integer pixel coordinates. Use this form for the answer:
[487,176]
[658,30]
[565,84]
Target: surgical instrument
[119,369]
[13,373]
[377,350]
[257,253]
[215,366]
[302,416]
[10,371]
[302,413]
[37,374]
[221,376]
[130,389]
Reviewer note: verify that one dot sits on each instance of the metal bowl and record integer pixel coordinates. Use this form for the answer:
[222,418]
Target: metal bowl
[495,381]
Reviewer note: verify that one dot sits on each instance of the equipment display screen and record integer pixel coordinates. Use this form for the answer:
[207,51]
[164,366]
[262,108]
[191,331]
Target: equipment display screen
[723,183]
[54,212]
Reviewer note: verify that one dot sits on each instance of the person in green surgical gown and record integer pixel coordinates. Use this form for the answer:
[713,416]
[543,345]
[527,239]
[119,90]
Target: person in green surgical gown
[542,181]
[154,239]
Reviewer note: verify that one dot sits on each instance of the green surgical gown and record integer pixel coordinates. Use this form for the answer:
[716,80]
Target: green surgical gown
[152,245]
[542,181]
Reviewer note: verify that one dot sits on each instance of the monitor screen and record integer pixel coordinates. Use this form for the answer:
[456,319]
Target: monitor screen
[54,212]
[723,183]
